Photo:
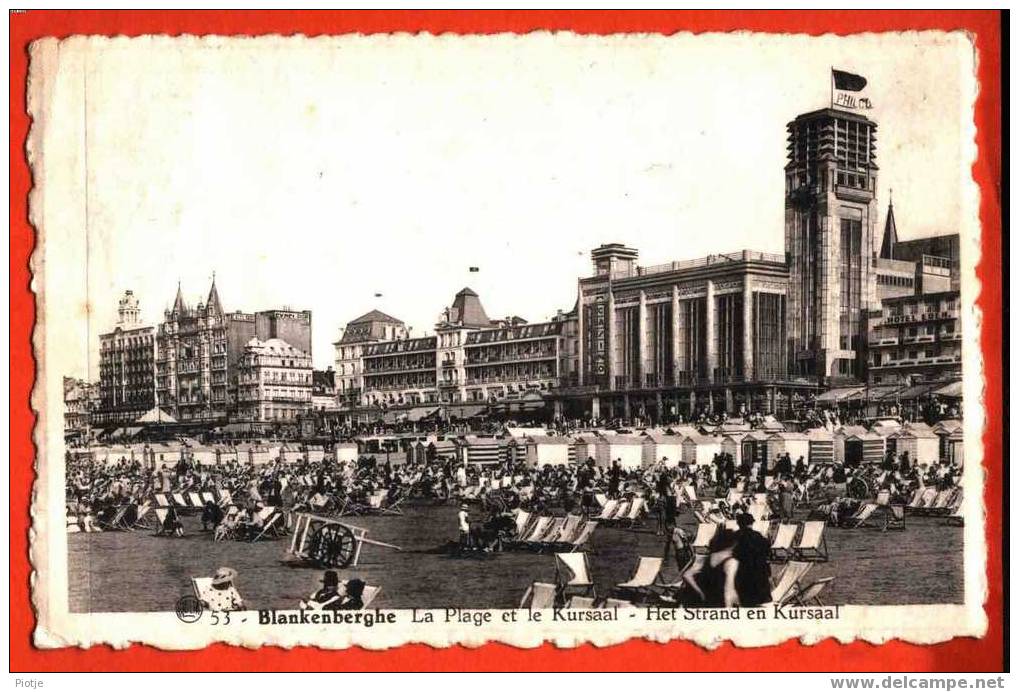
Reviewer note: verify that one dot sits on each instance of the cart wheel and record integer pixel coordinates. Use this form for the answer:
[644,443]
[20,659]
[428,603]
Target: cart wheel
[333,545]
[859,489]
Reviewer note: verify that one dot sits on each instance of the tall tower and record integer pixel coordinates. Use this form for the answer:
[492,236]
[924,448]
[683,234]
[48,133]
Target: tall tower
[830,240]
[127,310]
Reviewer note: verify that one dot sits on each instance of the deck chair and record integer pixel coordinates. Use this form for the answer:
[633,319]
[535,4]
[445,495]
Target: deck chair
[536,528]
[207,496]
[161,499]
[915,502]
[941,501]
[956,517]
[522,519]
[811,594]
[731,525]
[214,599]
[271,516]
[581,603]
[927,500]
[569,530]
[788,584]
[644,576]
[782,544]
[601,498]
[636,511]
[862,515]
[143,510]
[369,594]
[812,545]
[763,527]
[690,493]
[607,510]
[895,518]
[705,532]
[195,499]
[178,499]
[583,536]
[225,498]
[759,511]
[550,534]
[539,596]
[622,509]
[573,572]
[884,497]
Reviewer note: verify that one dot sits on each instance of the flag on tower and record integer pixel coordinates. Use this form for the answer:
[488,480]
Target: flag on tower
[847,91]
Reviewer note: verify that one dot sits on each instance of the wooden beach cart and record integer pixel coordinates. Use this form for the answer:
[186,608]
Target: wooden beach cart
[327,542]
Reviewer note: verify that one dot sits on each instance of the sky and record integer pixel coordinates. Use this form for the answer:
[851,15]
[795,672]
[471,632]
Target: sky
[316,174]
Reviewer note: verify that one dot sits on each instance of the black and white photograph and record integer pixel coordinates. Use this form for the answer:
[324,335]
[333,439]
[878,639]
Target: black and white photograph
[368,340]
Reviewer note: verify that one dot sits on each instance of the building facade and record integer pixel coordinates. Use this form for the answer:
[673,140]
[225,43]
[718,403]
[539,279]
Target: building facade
[78,400]
[274,382]
[915,339]
[679,338]
[127,366]
[369,328]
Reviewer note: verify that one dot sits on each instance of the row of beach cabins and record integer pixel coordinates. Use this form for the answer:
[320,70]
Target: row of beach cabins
[535,447]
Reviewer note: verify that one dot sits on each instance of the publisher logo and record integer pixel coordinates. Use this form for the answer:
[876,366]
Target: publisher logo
[189,609]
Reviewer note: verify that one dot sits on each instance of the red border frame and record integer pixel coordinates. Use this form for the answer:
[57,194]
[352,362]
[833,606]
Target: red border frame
[986,654]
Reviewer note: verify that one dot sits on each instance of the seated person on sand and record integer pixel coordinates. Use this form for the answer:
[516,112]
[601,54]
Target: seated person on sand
[336,595]
[171,525]
[212,515]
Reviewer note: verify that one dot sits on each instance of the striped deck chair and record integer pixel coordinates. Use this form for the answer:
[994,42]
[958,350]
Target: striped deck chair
[574,572]
[782,544]
[927,500]
[143,510]
[179,500]
[622,509]
[161,499]
[811,594]
[539,596]
[537,528]
[581,603]
[788,584]
[207,496]
[601,498]
[195,499]
[550,535]
[607,510]
[705,532]
[862,515]
[583,536]
[915,502]
[271,517]
[644,576]
[690,493]
[522,519]
[942,501]
[569,529]
[812,545]
[636,511]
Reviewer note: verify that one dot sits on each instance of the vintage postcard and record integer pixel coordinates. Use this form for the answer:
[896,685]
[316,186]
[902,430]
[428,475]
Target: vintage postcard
[369,340]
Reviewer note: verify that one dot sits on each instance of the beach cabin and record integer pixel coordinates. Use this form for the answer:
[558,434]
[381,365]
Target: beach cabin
[483,451]
[732,444]
[701,449]
[659,446]
[226,455]
[821,446]
[920,443]
[886,427]
[585,446]
[291,454]
[796,445]
[345,451]
[627,449]
[863,448]
[162,453]
[753,447]
[520,433]
[440,449]
[254,454]
[950,439]
[543,450]
[840,436]
[314,453]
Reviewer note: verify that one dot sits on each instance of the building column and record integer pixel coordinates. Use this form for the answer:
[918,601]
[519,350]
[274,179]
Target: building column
[580,336]
[772,400]
[557,408]
[692,398]
[595,407]
[610,339]
[710,350]
[642,339]
[748,329]
[675,337]
[728,400]
[626,406]
[658,407]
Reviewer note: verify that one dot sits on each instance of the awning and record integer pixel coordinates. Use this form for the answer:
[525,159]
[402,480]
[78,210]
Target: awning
[914,392]
[876,393]
[952,390]
[467,411]
[839,394]
[420,413]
